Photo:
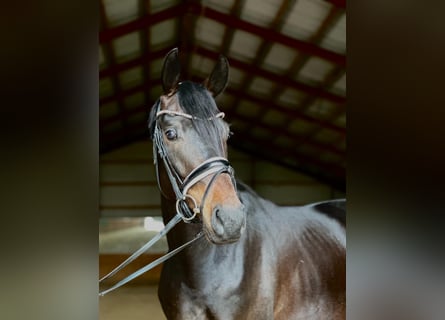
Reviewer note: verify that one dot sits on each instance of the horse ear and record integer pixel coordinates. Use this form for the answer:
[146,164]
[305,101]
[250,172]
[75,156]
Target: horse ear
[217,81]
[171,71]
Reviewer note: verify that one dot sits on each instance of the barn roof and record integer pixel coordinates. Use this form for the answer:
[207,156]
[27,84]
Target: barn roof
[287,91]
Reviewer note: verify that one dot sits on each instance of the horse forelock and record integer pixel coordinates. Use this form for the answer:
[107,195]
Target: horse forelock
[196,100]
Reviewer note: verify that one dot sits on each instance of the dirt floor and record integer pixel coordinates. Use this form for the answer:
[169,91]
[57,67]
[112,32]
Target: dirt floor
[131,303]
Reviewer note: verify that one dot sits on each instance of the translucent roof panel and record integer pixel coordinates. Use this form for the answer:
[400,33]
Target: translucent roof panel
[261,13]
[279,58]
[209,33]
[127,47]
[163,34]
[119,12]
[244,45]
[305,18]
[335,39]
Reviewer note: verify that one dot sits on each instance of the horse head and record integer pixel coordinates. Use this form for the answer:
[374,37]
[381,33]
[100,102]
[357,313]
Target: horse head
[190,135]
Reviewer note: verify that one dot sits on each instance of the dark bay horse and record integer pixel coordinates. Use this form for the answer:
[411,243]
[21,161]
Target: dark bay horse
[257,260]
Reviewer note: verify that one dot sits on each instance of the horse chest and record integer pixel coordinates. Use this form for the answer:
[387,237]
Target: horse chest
[224,307]
[216,297]
[203,304]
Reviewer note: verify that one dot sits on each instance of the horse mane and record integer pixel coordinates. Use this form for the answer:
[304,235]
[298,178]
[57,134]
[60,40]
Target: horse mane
[241,186]
[197,101]
[335,209]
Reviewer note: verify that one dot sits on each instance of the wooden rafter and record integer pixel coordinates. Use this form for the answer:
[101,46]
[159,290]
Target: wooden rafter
[273,36]
[322,160]
[283,81]
[144,9]
[144,58]
[229,32]
[241,95]
[278,22]
[333,16]
[250,69]
[338,3]
[229,21]
[335,180]
[273,130]
[140,23]
[110,57]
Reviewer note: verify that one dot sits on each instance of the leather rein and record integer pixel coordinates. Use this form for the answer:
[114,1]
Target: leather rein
[212,166]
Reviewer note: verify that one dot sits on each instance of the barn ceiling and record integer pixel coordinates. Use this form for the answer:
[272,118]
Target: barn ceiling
[287,91]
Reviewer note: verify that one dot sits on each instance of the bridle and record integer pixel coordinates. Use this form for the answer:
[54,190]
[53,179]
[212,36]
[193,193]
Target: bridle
[212,166]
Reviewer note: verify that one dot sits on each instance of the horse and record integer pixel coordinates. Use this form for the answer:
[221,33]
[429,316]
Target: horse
[256,260]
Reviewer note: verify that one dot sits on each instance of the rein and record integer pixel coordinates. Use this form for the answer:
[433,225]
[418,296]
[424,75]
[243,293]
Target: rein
[213,166]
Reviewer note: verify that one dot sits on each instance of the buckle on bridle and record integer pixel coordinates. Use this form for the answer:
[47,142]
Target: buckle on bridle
[196,210]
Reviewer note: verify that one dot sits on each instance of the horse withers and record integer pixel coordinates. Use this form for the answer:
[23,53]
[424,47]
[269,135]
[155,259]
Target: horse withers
[257,260]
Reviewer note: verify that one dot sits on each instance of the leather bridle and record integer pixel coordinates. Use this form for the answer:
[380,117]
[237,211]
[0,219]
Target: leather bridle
[212,166]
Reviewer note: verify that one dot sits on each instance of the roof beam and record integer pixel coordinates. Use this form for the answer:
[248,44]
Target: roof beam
[185,32]
[338,183]
[283,153]
[245,137]
[110,58]
[250,69]
[270,35]
[278,131]
[228,21]
[236,10]
[272,129]
[144,9]
[240,94]
[141,23]
[321,176]
[141,60]
[140,132]
[272,105]
[329,21]
[338,3]
[282,80]
[284,11]
[122,94]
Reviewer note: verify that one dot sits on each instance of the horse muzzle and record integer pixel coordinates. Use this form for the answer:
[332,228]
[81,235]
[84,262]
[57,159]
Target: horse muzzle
[227,224]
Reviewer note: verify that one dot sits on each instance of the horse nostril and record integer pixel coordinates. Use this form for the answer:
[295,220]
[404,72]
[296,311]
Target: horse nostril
[217,213]
[227,223]
[217,221]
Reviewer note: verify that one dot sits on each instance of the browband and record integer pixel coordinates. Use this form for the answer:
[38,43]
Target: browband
[188,116]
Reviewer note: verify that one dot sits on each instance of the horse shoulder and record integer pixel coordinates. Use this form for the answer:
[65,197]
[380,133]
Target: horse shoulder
[300,252]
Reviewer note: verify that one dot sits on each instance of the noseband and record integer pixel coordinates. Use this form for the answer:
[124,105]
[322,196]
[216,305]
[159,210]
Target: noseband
[214,165]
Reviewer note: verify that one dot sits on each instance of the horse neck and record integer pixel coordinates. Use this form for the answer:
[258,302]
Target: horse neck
[202,253]
[183,232]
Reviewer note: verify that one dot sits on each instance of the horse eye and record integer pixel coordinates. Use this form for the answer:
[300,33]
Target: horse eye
[171,134]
